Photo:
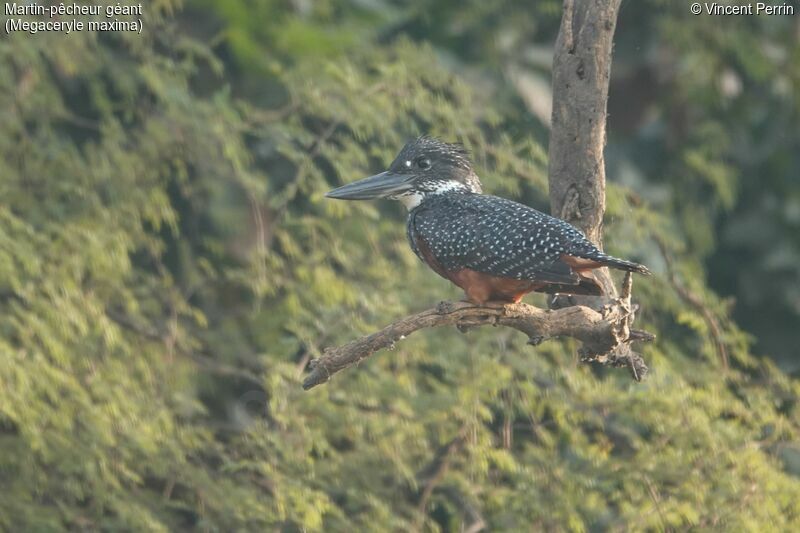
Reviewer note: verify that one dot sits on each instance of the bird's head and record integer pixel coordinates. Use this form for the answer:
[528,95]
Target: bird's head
[424,167]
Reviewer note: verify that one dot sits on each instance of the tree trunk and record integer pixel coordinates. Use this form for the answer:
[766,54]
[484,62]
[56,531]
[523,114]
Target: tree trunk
[581,70]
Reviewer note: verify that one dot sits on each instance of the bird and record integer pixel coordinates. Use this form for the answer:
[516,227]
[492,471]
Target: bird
[495,249]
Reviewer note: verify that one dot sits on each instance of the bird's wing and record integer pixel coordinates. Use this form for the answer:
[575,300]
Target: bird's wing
[495,236]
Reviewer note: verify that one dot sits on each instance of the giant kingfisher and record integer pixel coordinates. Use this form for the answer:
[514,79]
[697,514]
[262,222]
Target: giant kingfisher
[495,249]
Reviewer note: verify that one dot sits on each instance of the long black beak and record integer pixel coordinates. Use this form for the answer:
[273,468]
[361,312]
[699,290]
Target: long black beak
[377,186]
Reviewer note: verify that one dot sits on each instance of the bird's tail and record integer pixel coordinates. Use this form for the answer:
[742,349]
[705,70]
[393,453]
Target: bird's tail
[622,264]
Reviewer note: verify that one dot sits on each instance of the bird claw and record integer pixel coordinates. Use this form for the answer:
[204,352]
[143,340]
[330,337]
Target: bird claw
[444,307]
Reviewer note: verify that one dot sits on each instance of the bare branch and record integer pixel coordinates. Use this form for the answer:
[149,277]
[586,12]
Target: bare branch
[600,332]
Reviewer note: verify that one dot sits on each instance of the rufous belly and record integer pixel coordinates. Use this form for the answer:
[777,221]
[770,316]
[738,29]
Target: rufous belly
[481,288]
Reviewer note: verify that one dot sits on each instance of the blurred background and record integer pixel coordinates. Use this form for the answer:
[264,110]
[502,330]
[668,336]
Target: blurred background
[168,267]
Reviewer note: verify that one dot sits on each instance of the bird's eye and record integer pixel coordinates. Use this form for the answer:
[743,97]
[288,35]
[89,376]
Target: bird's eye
[424,164]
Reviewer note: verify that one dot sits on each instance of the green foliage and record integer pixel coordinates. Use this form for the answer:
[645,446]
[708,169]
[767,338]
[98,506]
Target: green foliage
[169,265]
[718,121]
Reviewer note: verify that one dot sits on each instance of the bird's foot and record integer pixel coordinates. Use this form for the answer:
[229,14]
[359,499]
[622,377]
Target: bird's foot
[444,307]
